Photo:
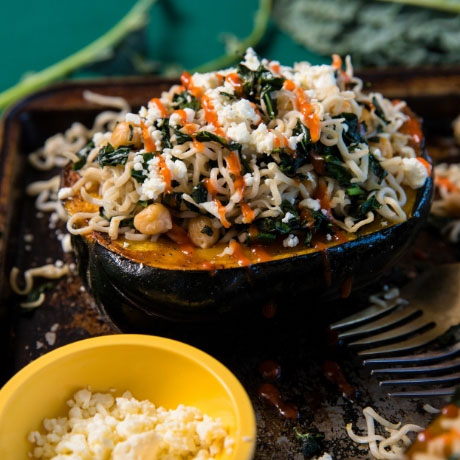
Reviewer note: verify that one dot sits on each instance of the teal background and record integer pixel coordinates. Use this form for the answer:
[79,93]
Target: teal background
[37,33]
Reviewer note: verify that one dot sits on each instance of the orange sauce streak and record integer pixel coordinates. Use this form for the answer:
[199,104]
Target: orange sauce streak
[190,128]
[340,236]
[321,195]
[208,265]
[425,164]
[248,213]
[186,80]
[161,108]
[210,187]
[235,80]
[233,162]
[210,114]
[221,211]
[260,254]
[336,62]
[182,114]
[240,185]
[238,254]
[413,129]
[220,77]
[198,145]
[165,172]
[275,67]
[446,183]
[148,141]
[306,109]
[253,231]
[180,237]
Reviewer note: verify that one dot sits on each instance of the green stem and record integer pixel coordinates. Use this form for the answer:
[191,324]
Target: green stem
[261,19]
[134,20]
[444,5]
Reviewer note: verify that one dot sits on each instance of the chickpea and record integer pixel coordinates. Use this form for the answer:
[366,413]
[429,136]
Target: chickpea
[195,232]
[154,219]
[126,134]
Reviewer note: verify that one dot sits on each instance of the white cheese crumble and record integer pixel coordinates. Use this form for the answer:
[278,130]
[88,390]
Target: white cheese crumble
[154,185]
[287,217]
[312,204]
[238,112]
[99,426]
[133,118]
[291,241]
[414,172]
[251,61]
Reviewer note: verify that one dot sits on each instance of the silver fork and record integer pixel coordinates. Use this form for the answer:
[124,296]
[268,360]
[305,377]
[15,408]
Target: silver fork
[433,308]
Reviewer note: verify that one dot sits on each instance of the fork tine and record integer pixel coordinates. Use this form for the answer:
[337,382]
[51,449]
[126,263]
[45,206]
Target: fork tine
[397,333]
[382,323]
[434,392]
[422,380]
[369,313]
[409,344]
[418,358]
[446,366]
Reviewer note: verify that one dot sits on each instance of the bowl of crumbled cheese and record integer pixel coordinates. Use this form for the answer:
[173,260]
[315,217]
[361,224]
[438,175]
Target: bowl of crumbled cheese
[126,397]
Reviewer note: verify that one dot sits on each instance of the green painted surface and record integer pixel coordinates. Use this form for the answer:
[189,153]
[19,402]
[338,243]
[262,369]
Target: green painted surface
[36,34]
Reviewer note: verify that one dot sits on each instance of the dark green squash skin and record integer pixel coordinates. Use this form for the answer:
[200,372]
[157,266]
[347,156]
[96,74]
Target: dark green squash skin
[132,295]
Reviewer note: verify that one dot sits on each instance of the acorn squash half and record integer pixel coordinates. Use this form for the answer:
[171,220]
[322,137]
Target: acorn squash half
[146,281]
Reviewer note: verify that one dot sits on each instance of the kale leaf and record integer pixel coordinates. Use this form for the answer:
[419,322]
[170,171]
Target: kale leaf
[199,193]
[379,111]
[336,169]
[163,125]
[173,200]
[360,208]
[140,175]
[206,136]
[83,156]
[352,134]
[377,168]
[185,100]
[311,442]
[109,156]
[182,138]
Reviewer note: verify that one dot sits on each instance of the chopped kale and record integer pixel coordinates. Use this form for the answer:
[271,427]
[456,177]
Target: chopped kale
[305,143]
[109,156]
[276,225]
[34,295]
[173,200]
[144,203]
[230,96]
[200,193]
[379,111]
[140,176]
[355,190]
[207,230]
[376,167]
[352,134]
[206,136]
[185,100]
[129,222]
[336,169]
[311,442]
[83,156]
[262,238]
[245,166]
[163,125]
[131,132]
[360,208]
[182,138]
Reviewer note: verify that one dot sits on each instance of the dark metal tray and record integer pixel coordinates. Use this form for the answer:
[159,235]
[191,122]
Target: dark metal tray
[295,337]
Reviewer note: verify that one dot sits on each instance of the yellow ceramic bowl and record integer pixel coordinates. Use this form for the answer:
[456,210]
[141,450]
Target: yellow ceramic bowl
[164,371]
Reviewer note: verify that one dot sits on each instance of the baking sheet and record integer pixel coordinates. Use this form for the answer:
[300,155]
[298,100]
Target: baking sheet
[296,337]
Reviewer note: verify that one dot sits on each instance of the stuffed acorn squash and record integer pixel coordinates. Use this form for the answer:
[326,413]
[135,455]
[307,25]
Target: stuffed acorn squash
[242,185]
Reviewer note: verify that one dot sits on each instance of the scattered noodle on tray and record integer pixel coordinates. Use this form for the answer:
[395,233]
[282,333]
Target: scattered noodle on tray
[252,154]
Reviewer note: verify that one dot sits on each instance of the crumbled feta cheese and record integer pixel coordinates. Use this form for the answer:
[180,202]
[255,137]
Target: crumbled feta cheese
[287,217]
[251,61]
[50,338]
[175,120]
[101,426]
[414,172]
[262,139]
[154,185]
[294,140]
[178,169]
[205,80]
[312,204]
[190,113]
[239,133]
[291,241]
[238,112]
[133,118]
